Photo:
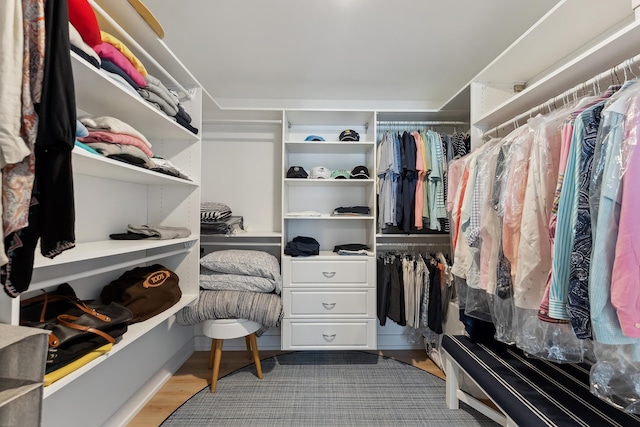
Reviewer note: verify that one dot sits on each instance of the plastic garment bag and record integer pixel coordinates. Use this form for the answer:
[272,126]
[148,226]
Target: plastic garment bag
[613,286]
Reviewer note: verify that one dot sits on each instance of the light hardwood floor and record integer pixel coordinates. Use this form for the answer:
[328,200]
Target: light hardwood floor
[194,375]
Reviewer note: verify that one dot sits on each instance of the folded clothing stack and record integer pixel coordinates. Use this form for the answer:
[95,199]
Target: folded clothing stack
[353,249]
[302,246]
[351,211]
[216,218]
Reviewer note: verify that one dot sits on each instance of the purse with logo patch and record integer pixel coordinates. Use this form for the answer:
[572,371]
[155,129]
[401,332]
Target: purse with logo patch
[145,291]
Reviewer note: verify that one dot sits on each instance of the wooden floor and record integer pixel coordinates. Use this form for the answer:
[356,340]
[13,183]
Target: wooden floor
[194,375]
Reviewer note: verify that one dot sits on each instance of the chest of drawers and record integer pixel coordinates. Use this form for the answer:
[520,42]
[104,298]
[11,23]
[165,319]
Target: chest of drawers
[329,303]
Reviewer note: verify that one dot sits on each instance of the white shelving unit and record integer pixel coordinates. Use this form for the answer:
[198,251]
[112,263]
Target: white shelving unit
[328,299]
[548,59]
[109,195]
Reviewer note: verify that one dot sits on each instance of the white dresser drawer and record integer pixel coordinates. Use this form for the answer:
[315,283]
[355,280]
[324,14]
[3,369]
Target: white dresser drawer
[342,335]
[330,272]
[329,303]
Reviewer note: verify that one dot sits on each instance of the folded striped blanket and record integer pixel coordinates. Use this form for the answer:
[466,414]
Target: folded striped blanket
[264,308]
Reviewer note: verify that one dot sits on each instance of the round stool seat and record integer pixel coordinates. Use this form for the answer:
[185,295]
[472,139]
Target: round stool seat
[229,328]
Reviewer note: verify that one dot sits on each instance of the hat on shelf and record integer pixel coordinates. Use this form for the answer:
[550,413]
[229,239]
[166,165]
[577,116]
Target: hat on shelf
[340,174]
[320,172]
[297,172]
[349,135]
[360,172]
[314,138]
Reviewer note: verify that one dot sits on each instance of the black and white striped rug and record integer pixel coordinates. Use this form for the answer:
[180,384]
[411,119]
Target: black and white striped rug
[330,388]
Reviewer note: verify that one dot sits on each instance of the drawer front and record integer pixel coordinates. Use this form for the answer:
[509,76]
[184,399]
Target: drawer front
[331,303]
[330,335]
[329,272]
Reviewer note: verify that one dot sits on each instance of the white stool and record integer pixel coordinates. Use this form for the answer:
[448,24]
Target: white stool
[221,329]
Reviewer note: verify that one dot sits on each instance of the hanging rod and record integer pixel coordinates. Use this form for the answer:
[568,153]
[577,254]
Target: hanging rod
[419,122]
[594,81]
[241,121]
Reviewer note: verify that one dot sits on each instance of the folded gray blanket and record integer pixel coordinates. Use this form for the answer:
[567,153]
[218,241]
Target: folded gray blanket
[264,308]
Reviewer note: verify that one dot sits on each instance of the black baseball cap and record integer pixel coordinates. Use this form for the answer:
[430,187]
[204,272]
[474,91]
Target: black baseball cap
[297,172]
[360,172]
[349,135]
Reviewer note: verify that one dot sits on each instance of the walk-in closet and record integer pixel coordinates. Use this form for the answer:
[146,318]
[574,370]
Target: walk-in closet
[278,185]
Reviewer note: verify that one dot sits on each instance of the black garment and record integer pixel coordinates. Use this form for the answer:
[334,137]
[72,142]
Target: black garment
[84,55]
[183,114]
[435,311]
[399,191]
[52,209]
[113,68]
[408,182]
[185,124]
[302,246]
[361,210]
[383,287]
[351,247]
[397,311]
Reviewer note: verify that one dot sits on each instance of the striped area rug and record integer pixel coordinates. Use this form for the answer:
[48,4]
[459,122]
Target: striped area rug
[330,388]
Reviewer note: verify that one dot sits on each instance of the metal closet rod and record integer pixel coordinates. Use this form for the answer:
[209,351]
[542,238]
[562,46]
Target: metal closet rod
[594,82]
[420,122]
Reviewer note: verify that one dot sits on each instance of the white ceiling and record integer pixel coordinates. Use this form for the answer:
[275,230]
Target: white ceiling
[382,54]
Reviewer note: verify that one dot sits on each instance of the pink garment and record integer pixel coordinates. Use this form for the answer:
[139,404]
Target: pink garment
[514,197]
[421,170]
[107,51]
[625,277]
[116,138]
[534,251]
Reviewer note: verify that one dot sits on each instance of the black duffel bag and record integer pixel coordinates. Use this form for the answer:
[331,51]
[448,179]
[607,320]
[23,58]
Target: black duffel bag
[77,326]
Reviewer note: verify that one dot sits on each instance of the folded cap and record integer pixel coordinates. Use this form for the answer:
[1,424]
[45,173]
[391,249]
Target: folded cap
[314,138]
[340,174]
[297,172]
[349,135]
[360,172]
[320,172]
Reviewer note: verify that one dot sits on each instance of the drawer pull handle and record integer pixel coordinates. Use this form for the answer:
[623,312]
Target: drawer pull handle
[328,274]
[329,305]
[329,337]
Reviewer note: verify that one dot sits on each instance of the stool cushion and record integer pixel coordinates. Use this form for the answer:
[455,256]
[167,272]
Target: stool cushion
[229,328]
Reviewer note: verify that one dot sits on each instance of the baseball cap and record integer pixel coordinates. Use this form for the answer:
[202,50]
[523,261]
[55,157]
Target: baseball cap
[360,172]
[340,174]
[297,172]
[314,138]
[349,135]
[320,172]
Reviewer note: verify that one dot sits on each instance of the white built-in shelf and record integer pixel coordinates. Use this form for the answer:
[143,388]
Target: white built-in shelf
[98,95]
[86,163]
[148,47]
[251,238]
[331,217]
[106,248]
[344,118]
[243,235]
[611,51]
[321,182]
[134,332]
[332,147]
[547,41]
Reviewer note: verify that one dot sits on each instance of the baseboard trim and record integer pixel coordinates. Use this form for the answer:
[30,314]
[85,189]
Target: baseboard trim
[134,405]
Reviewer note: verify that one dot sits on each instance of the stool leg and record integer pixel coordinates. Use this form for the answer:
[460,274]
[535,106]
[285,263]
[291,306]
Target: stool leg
[216,364]
[211,352]
[248,342]
[256,356]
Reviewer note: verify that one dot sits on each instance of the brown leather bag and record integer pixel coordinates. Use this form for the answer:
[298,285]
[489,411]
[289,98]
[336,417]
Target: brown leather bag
[77,326]
[146,291]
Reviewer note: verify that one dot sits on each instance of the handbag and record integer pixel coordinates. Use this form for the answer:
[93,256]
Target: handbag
[146,291]
[77,326]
